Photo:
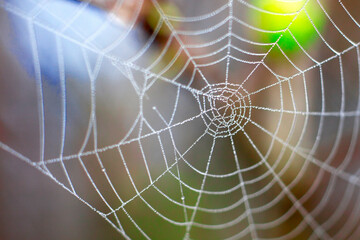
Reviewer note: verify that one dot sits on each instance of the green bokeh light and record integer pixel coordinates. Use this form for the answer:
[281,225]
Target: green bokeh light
[277,15]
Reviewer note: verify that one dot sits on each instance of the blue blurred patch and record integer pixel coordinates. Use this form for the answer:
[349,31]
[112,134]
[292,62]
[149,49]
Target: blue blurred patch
[81,30]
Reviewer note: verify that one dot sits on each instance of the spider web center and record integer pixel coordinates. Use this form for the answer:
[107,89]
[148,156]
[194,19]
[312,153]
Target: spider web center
[226,109]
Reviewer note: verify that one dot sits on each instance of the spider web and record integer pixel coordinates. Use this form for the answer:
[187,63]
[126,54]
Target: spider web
[207,133]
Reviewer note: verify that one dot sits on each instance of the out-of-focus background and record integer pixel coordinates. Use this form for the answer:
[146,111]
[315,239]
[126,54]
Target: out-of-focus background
[179,119]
